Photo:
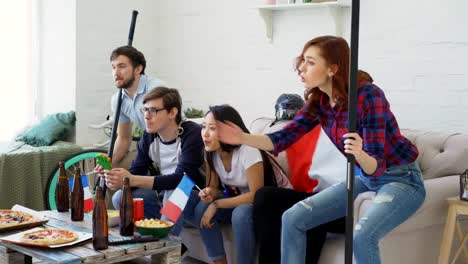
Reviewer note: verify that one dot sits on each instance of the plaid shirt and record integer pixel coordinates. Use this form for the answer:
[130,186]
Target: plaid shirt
[376,125]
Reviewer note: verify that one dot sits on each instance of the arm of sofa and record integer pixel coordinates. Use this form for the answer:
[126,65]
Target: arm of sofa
[432,212]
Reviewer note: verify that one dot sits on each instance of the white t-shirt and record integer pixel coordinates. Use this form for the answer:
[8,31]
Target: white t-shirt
[168,156]
[242,159]
[165,155]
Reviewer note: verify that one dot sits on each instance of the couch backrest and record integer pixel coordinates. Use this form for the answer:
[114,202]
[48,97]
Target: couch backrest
[440,154]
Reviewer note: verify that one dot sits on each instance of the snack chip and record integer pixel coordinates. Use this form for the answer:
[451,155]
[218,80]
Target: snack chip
[153,223]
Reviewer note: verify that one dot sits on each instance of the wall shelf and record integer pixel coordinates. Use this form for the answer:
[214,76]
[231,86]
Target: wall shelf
[335,9]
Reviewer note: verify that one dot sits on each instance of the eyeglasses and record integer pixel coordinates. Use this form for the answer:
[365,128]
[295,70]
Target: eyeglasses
[151,110]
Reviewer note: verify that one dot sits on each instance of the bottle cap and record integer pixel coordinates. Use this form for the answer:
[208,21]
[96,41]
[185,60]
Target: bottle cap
[126,180]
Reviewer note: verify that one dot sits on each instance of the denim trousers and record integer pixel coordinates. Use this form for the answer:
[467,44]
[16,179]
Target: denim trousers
[243,230]
[152,206]
[400,192]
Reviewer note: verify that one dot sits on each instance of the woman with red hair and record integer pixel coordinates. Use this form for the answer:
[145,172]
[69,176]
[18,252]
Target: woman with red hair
[385,158]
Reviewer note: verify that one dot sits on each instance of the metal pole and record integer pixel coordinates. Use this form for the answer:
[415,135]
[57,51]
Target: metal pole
[352,104]
[110,151]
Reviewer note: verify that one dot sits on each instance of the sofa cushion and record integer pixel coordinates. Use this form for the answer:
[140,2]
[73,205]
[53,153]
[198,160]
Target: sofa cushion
[432,212]
[262,126]
[440,154]
[54,127]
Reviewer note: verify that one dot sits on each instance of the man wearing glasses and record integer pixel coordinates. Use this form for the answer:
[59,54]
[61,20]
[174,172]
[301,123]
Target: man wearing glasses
[172,146]
[128,72]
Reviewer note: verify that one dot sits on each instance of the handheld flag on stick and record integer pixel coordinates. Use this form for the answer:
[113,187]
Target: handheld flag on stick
[104,160]
[88,198]
[177,201]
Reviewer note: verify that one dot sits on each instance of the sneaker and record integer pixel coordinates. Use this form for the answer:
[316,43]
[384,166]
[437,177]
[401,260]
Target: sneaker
[183,251]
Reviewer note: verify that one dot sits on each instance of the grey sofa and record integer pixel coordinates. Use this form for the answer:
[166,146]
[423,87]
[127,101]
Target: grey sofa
[442,158]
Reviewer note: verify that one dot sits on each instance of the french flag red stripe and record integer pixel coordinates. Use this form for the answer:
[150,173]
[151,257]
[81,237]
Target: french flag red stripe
[88,205]
[171,210]
[178,199]
[315,162]
[300,156]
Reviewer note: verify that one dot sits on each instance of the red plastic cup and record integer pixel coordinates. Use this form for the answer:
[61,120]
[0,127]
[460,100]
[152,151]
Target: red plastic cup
[138,209]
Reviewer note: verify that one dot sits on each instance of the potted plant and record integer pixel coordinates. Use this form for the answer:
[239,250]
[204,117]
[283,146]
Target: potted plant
[194,114]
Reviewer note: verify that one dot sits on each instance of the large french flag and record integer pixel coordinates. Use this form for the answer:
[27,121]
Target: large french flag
[315,163]
[88,200]
[177,201]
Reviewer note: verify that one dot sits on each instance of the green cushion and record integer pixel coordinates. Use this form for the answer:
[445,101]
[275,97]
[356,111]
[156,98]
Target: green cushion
[50,129]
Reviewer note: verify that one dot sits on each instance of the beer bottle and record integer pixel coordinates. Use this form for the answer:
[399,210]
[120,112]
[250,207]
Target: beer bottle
[77,197]
[126,210]
[100,228]
[62,190]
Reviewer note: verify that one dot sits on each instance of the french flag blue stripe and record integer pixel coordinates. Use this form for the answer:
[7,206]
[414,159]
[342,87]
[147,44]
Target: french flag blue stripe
[186,185]
[84,180]
[178,199]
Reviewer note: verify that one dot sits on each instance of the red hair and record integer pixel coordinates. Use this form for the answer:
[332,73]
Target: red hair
[335,51]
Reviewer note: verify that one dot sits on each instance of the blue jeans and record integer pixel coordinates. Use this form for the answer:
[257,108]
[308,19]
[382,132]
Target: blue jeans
[242,227]
[400,192]
[152,206]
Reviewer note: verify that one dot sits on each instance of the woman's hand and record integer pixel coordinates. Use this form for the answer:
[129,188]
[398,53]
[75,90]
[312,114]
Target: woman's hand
[207,195]
[353,145]
[208,216]
[114,177]
[229,133]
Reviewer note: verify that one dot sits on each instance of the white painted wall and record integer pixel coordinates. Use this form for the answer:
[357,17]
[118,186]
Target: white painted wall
[216,51]
[16,99]
[56,26]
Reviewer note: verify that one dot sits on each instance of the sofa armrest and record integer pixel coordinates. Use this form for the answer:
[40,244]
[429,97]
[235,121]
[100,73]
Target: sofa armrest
[432,212]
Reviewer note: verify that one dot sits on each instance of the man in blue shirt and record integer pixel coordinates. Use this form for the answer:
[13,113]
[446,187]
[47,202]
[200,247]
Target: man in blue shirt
[128,71]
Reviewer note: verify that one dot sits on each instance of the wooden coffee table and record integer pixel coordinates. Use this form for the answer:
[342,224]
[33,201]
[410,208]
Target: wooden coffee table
[166,250]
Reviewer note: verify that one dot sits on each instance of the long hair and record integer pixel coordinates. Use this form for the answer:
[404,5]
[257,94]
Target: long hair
[335,51]
[225,113]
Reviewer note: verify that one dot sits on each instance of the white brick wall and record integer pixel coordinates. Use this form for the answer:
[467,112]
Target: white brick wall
[216,51]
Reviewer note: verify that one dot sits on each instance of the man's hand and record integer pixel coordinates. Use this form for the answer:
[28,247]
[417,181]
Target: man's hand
[99,170]
[114,178]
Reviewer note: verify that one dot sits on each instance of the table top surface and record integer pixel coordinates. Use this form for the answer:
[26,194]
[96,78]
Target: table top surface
[84,252]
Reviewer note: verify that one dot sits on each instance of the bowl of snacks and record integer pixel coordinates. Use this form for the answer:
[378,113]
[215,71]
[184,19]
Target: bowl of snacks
[154,227]
[113,217]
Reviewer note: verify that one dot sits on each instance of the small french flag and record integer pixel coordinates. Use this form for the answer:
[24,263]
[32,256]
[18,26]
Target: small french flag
[88,200]
[177,201]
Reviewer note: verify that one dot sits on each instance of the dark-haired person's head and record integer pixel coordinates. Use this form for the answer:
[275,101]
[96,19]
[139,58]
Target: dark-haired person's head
[161,109]
[127,65]
[324,62]
[223,113]
[226,113]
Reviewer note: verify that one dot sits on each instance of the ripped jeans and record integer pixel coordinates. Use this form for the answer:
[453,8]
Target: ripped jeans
[400,192]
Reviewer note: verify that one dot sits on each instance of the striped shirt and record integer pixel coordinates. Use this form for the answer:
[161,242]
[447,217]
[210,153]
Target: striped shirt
[376,124]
